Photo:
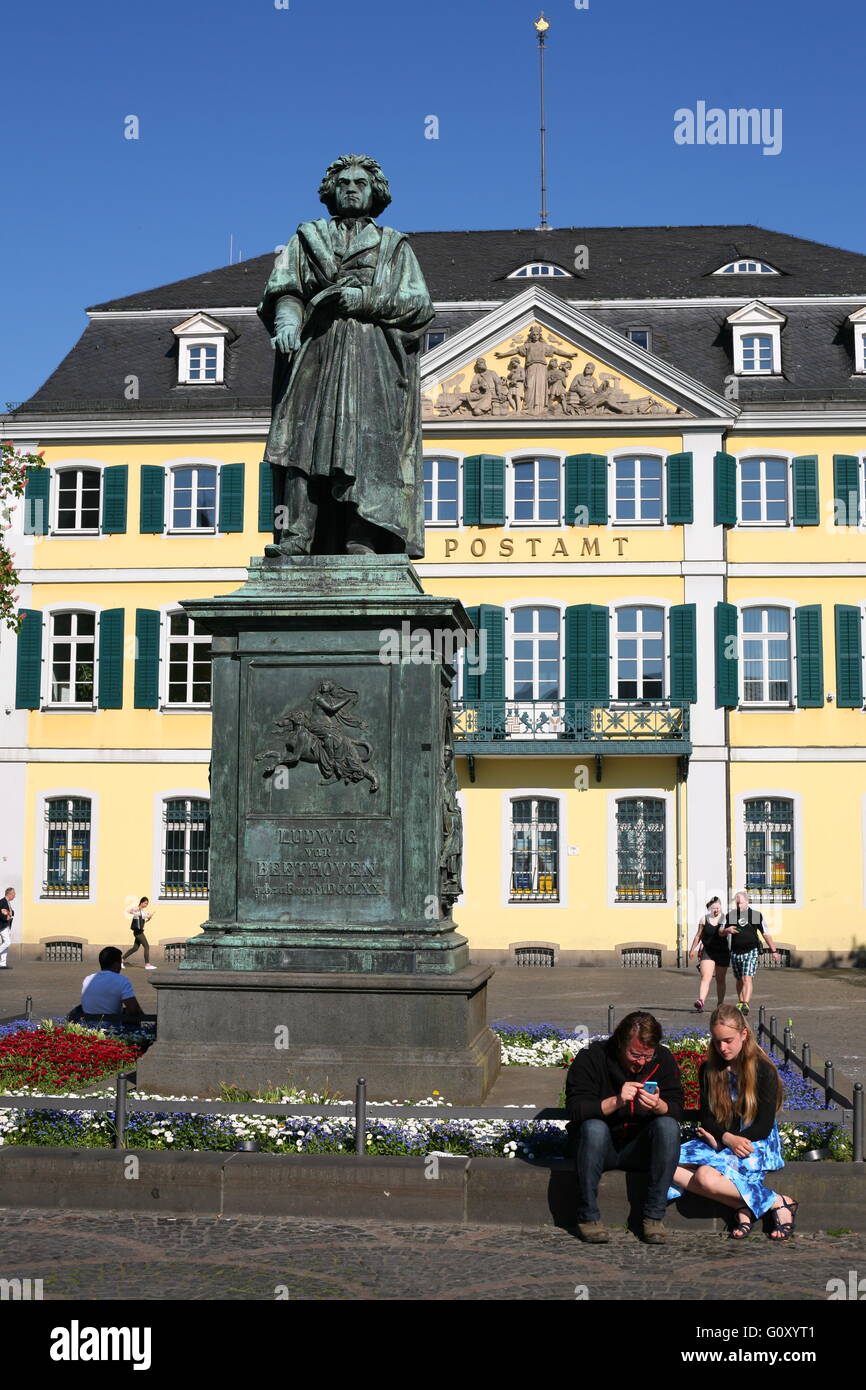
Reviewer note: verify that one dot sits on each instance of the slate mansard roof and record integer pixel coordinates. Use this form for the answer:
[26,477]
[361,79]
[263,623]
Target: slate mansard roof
[669,267]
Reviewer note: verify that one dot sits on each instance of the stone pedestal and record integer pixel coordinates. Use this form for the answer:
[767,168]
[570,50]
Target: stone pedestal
[335,843]
[408,1035]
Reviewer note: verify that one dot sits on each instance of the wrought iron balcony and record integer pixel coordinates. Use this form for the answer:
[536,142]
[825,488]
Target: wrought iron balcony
[659,727]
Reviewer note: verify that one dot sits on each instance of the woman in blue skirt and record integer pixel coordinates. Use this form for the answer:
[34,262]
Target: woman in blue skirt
[738,1143]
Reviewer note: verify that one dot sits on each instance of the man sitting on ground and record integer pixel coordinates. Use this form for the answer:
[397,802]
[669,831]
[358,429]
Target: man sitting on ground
[625,1099]
[109,992]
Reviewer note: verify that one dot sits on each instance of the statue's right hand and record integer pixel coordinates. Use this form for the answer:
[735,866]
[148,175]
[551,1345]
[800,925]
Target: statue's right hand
[287,340]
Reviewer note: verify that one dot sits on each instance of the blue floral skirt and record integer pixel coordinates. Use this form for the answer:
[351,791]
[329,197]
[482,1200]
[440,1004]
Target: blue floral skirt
[745,1173]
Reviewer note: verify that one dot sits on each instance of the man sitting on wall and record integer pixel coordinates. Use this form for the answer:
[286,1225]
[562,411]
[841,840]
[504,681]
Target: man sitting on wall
[109,992]
[625,1100]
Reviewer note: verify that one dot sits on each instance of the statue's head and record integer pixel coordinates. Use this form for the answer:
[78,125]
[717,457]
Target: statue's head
[534,333]
[481,365]
[515,362]
[589,369]
[354,186]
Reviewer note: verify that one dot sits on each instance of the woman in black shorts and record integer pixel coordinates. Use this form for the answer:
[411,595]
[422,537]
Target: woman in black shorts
[715,954]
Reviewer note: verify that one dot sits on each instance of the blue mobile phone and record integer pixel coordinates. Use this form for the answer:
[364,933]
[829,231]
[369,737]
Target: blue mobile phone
[650,1087]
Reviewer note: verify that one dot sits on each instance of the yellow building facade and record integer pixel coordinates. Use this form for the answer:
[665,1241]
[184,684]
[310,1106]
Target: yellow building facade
[667,576]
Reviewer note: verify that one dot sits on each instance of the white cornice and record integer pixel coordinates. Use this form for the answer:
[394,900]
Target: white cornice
[51,428]
[764,421]
[566,426]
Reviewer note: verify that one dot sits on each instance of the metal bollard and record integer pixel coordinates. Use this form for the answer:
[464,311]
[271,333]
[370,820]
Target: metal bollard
[28,1008]
[807,1056]
[788,1047]
[361,1116]
[829,1082]
[858,1122]
[610,1018]
[120,1113]
[773,1021]
[762,1017]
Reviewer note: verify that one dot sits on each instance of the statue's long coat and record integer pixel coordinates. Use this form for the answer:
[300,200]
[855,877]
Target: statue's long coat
[347,405]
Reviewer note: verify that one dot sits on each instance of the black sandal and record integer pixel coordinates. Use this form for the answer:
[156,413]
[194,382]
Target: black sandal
[743,1229]
[785,1229]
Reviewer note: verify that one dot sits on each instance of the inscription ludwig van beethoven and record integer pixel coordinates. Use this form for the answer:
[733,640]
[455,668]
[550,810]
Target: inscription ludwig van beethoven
[324,735]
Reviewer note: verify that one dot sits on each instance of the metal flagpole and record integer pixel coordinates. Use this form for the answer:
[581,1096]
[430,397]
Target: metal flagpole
[541,27]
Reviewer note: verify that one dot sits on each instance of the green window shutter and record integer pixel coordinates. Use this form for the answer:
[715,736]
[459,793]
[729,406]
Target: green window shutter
[586,487]
[681,509]
[472,490]
[727,659]
[152,516]
[111,659]
[587,653]
[725,490]
[266,497]
[492,490]
[146,658]
[846,489]
[115,482]
[492,624]
[471,677]
[231,516]
[806,505]
[849,657]
[28,676]
[684,652]
[810,656]
[37,491]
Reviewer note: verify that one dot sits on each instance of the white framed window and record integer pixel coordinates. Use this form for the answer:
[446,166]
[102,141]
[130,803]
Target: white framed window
[641,337]
[641,849]
[434,338]
[534,870]
[757,337]
[764,491]
[535,270]
[185,847]
[72,659]
[66,847]
[201,342]
[766,663]
[441,491]
[746,267]
[193,497]
[537,491]
[77,498]
[536,653]
[858,323]
[638,490]
[639,645]
[188,663]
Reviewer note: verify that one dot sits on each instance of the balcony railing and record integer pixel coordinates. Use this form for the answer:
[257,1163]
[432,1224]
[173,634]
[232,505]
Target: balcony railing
[643,725]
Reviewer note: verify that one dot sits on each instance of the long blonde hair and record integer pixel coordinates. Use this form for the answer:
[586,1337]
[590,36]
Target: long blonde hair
[745,1068]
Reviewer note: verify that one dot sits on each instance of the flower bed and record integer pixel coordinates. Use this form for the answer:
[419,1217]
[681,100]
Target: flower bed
[54,1059]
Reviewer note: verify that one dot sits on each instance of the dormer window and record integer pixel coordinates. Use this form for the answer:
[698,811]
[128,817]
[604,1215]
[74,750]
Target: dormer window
[757,331]
[537,269]
[746,267]
[434,338]
[858,319]
[201,351]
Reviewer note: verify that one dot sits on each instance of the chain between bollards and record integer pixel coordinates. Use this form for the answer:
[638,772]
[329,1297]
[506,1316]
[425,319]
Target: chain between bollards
[610,1018]
[858,1122]
[361,1116]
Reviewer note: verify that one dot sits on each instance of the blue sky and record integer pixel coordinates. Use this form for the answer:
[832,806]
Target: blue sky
[241,105]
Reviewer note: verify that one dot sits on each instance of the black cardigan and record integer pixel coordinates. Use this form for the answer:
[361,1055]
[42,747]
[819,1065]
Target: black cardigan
[762,1125]
[597,1073]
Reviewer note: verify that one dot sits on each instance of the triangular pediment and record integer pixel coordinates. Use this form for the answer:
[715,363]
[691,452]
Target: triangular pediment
[198,325]
[537,358]
[756,313]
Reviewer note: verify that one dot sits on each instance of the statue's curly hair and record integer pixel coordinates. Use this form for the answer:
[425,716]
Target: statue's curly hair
[380,187]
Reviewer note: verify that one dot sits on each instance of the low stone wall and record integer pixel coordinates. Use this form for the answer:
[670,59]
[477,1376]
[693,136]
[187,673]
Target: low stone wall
[485,1191]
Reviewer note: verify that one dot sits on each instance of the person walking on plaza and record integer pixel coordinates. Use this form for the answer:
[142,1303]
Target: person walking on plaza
[140,916]
[714,955]
[6,915]
[738,1139]
[742,928]
[624,1099]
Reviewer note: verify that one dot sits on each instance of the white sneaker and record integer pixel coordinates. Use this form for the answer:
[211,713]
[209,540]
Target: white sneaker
[150,967]
[123,965]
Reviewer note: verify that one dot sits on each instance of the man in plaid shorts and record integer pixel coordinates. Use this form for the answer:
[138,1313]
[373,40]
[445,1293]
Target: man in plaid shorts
[743,926]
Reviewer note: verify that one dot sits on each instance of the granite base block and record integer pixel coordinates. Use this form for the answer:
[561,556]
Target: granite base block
[407,1035]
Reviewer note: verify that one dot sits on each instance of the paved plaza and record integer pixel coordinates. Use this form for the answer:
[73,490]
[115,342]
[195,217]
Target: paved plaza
[147,1257]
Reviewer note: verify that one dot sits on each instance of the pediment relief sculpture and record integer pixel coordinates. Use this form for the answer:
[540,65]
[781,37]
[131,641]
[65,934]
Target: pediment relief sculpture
[543,378]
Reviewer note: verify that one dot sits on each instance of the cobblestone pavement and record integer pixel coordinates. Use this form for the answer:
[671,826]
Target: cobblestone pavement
[148,1257]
